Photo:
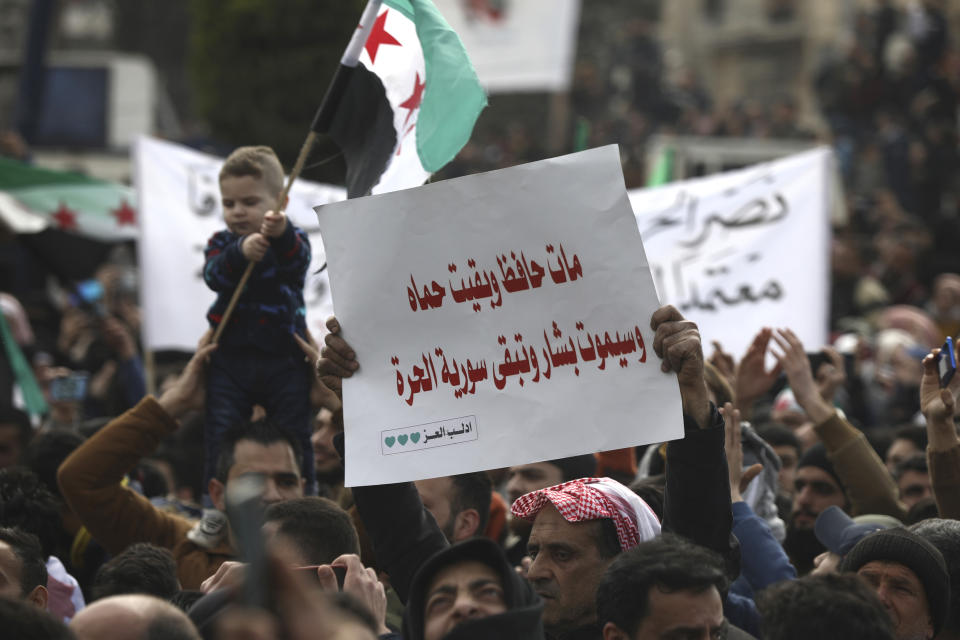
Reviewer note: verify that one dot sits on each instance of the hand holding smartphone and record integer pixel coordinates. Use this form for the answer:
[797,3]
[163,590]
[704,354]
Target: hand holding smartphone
[71,388]
[946,362]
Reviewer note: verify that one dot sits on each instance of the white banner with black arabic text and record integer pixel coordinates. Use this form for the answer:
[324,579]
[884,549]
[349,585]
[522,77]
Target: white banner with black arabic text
[746,249]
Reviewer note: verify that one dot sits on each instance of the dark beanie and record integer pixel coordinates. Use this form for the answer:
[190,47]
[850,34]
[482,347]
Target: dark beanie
[816,456]
[915,553]
[576,467]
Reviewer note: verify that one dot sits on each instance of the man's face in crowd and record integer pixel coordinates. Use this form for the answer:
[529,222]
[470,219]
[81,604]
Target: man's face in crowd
[686,615]
[788,467]
[566,569]
[325,458]
[11,572]
[900,449]
[10,448]
[436,495]
[530,477]
[464,591]
[814,491]
[914,486]
[274,462]
[903,596]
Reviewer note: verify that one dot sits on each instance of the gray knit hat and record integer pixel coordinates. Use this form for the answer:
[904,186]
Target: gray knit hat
[915,553]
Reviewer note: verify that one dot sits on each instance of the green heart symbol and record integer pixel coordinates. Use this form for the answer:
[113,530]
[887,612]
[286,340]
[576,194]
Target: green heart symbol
[402,439]
[389,440]
[415,437]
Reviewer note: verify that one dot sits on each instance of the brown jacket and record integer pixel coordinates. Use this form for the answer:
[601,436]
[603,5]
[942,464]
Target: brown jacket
[90,480]
[865,477]
[945,478]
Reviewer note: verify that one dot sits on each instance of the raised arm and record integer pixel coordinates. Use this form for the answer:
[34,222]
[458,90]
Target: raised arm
[91,478]
[866,479]
[697,492]
[943,449]
[752,379]
[763,560]
[404,534]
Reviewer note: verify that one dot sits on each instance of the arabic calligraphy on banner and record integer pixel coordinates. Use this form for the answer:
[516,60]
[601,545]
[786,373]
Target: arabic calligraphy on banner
[561,353]
[743,250]
[499,319]
[485,284]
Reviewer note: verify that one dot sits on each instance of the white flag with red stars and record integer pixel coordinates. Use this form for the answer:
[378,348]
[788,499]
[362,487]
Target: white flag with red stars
[33,199]
[411,101]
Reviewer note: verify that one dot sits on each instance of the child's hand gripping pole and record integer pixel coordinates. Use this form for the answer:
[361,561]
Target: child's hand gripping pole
[297,168]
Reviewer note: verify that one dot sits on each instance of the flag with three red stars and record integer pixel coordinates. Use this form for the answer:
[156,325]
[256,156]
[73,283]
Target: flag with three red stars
[33,199]
[410,101]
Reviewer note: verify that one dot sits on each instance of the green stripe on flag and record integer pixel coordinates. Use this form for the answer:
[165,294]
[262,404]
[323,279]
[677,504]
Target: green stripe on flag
[453,97]
[403,6]
[67,201]
[33,398]
[95,199]
[17,175]
[663,169]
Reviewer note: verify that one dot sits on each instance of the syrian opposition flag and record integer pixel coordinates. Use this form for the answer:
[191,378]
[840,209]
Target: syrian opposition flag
[33,199]
[404,100]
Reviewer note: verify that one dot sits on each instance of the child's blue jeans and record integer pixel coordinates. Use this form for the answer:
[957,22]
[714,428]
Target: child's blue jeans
[237,379]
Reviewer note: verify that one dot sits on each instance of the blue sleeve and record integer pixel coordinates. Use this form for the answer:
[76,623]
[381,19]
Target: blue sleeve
[133,383]
[224,262]
[743,613]
[763,561]
[292,250]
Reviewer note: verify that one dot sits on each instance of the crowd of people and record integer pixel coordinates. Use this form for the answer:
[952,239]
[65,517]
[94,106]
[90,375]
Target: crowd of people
[774,517]
[816,489]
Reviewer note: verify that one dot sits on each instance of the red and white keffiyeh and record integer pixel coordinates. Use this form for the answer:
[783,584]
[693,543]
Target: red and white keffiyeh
[594,499]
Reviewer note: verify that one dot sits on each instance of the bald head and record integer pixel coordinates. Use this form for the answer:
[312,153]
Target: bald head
[133,617]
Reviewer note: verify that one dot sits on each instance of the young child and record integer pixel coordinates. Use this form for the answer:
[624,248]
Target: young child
[258,361]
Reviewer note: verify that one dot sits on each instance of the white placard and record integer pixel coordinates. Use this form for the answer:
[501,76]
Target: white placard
[517,45]
[743,250]
[499,319]
[179,202]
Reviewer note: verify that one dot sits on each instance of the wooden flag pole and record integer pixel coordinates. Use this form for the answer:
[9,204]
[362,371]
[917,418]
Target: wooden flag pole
[297,168]
[321,123]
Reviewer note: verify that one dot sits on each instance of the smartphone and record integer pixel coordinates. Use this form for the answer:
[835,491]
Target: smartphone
[946,362]
[71,388]
[245,513]
[340,572]
[88,295]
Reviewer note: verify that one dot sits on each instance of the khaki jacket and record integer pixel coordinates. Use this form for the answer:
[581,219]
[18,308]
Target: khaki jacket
[90,481]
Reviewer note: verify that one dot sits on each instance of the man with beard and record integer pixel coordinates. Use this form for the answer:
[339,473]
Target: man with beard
[816,487]
[329,468]
[844,470]
[460,504]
